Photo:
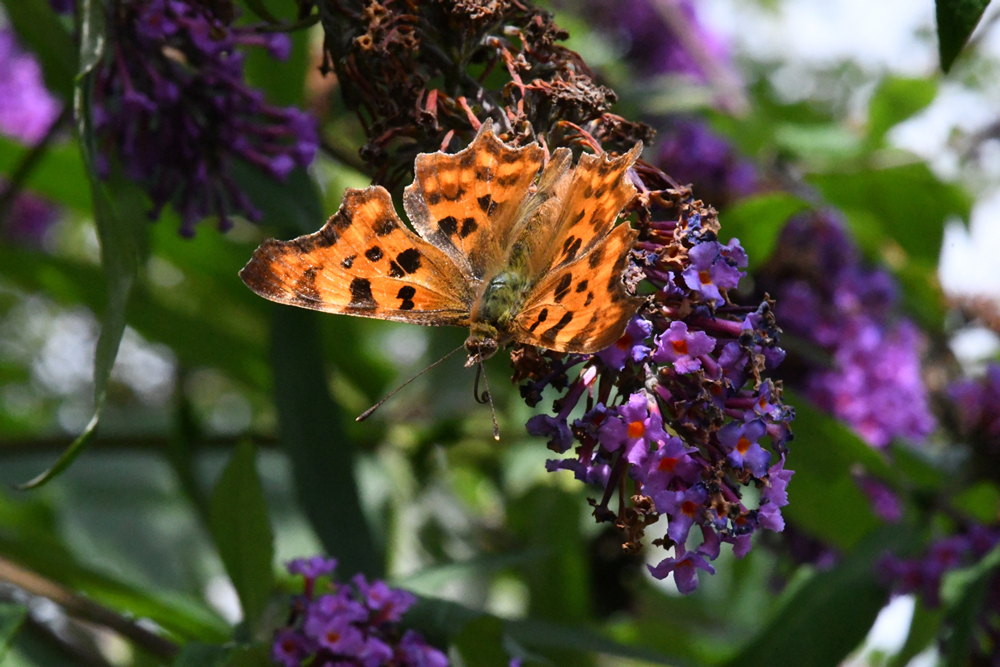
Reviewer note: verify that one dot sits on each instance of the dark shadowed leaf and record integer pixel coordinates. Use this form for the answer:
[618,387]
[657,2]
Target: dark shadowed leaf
[843,602]
[823,498]
[12,616]
[956,19]
[481,643]
[312,434]
[242,531]
[291,206]
[203,655]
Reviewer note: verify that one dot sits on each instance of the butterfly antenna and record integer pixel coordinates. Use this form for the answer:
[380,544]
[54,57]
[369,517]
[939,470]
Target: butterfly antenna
[486,396]
[368,413]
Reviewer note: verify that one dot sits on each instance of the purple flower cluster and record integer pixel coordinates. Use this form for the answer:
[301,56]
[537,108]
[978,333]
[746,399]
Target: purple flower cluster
[650,36]
[828,298]
[27,112]
[354,625]
[977,403]
[677,410]
[691,153]
[923,575]
[172,102]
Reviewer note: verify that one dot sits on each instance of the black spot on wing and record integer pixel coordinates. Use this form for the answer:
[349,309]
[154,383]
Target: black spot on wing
[541,318]
[405,295]
[347,262]
[374,253]
[590,299]
[509,157]
[485,175]
[562,287]
[571,247]
[578,218]
[507,181]
[409,260]
[467,159]
[580,286]
[589,192]
[487,204]
[342,220]
[434,198]
[595,257]
[448,225]
[601,191]
[459,193]
[305,286]
[395,270]
[384,227]
[361,295]
[468,226]
[553,331]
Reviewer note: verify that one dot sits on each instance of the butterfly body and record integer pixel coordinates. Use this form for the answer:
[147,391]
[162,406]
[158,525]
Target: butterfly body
[510,253]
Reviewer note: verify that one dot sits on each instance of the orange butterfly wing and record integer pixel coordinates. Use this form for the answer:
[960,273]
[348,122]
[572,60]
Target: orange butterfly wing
[582,306]
[592,195]
[468,203]
[365,262]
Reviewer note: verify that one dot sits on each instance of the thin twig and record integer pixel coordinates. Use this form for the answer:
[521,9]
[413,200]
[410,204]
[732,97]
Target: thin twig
[344,157]
[87,610]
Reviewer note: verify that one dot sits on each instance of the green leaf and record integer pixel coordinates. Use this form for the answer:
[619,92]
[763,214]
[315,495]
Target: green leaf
[242,532]
[980,501]
[203,655]
[908,203]
[924,628]
[321,453]
[757,222]
[39,29]
[830,615]
[253,655]
[823,498]
[956,19]
[58,175]
[895,100]
[480,643]
[12,616]
[964,592]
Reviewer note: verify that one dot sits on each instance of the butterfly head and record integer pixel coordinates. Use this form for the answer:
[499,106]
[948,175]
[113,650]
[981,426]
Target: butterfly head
[482,343]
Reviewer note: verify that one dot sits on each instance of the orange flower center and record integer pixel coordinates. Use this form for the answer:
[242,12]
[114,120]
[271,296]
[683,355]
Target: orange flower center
[333,637]
[680,346]
[743,445]
[624,342]
[689,508]
[667,464]
[705,277]
[636,429]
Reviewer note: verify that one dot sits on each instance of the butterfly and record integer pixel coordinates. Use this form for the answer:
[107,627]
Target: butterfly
[513,251]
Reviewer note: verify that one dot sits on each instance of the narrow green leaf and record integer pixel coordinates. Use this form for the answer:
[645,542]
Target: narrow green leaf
[830,615]
[119,212]
[242,531]
[321,453]
[260,9]
[254,655]
[40,30]
[12,616]
[757,222]
[956,19]
[58,175]
[895,100]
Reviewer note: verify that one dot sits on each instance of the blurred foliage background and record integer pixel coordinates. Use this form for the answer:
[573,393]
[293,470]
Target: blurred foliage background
[506,557]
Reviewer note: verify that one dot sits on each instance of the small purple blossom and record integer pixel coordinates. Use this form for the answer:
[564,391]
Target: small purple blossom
[635,426]
[681,348]
[683,508]
[711,271]
[885,503]
[740,440]
[313,567]
[629,346]
[684,567]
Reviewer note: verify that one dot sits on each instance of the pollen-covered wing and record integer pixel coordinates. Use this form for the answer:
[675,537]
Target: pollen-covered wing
[365,262]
